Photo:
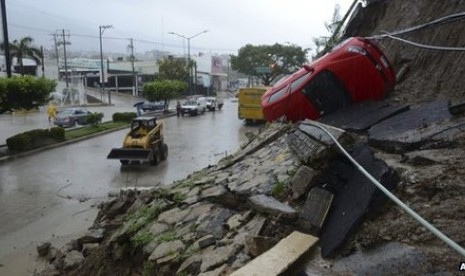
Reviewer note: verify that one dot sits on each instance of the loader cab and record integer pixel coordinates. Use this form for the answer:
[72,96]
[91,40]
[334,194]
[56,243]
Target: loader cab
[141,126]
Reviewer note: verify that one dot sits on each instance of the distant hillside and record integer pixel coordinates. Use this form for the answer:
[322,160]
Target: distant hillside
[432,74]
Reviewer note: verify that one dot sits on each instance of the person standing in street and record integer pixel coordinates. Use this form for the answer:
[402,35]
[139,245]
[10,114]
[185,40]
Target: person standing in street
[51,111]
[178,108]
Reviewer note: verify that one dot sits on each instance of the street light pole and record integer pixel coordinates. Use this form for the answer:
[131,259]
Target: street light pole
[102,74]
[5,39]
[189,67]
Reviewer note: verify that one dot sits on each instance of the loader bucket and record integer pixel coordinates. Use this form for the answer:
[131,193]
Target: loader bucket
[143,155]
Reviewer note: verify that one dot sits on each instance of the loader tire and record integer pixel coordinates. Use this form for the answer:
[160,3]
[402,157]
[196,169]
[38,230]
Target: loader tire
[155,158]
[164,151]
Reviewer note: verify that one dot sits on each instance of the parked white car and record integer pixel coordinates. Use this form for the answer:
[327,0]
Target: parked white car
[194,106]
[211,103]
[214,103]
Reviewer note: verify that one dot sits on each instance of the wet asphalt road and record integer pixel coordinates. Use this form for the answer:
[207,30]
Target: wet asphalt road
[39,192]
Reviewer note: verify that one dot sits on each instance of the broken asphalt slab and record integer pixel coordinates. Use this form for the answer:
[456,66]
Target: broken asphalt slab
[357,198]
[360,117]
[414,128]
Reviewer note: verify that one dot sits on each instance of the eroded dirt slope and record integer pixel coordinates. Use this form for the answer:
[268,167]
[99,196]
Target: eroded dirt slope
[432,180]
[432,74]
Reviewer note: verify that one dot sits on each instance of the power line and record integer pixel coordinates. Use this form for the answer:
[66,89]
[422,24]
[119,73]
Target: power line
[391,196]
[39,31]
[27,6]
[42,31]
[425,46]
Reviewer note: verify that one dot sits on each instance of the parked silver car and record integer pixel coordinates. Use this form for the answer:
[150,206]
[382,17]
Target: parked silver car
[69,117]
[152,106]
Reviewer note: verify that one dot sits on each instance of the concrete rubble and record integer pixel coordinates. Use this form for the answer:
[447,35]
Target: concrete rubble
[288,178]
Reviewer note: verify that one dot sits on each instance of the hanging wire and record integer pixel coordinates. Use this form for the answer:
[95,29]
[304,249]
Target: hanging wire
[424,46]
[442,20]
[402,205]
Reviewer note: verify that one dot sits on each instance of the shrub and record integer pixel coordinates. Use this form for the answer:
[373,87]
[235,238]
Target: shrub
[19,142]
[25,92]
[94,118]
[57,133]
[35,138]
[124,116]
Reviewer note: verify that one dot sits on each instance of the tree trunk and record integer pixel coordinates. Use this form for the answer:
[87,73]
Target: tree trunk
[21,66]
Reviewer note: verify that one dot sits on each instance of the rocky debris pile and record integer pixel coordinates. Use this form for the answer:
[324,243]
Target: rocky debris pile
[217,219]
[287,178]
[220,218]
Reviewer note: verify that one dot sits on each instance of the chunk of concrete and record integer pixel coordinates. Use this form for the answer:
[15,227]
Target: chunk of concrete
[300,182]
[92,236]
[312,145]
[256,245]
[218,257]
[167,248]
[206,241]
[316,209]
[72,260]
[279,258]
[269,205]
[43,248]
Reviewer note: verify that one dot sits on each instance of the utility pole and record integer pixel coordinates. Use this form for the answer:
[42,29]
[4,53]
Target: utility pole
[64,43]
[134,76]
[5,40]
[102,74]
[57,54]
[189,67]
[42,60]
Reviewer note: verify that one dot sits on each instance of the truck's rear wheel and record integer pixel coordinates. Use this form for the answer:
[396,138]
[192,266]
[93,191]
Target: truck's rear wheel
[164,151]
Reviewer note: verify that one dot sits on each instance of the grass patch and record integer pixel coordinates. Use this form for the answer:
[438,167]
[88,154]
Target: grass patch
[166,237]
[91,129]
[278,188]
[145,215]
[148,268]
[179,197]
[141,238]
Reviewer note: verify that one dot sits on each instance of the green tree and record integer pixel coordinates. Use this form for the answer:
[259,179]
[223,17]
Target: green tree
[163,90]
[25,92]
[172,69]
[267,62]
[325,43]
[22,48]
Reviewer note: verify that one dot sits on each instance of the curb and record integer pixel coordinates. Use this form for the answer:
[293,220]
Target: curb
[90,136]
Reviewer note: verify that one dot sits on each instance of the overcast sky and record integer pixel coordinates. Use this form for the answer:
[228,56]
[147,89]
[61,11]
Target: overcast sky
[231,24]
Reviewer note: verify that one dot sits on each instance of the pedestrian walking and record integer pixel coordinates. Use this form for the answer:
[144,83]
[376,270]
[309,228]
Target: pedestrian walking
[178,108]
[138,108]
[51,111]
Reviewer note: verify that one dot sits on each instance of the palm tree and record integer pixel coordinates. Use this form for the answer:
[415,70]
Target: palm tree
[23,48]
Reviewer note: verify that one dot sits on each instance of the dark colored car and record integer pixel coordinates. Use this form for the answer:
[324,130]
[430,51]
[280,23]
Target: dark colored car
[354,71]
[71,117]
[152,106]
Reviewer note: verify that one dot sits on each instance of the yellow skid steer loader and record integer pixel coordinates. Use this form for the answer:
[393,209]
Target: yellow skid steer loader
[143,143]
